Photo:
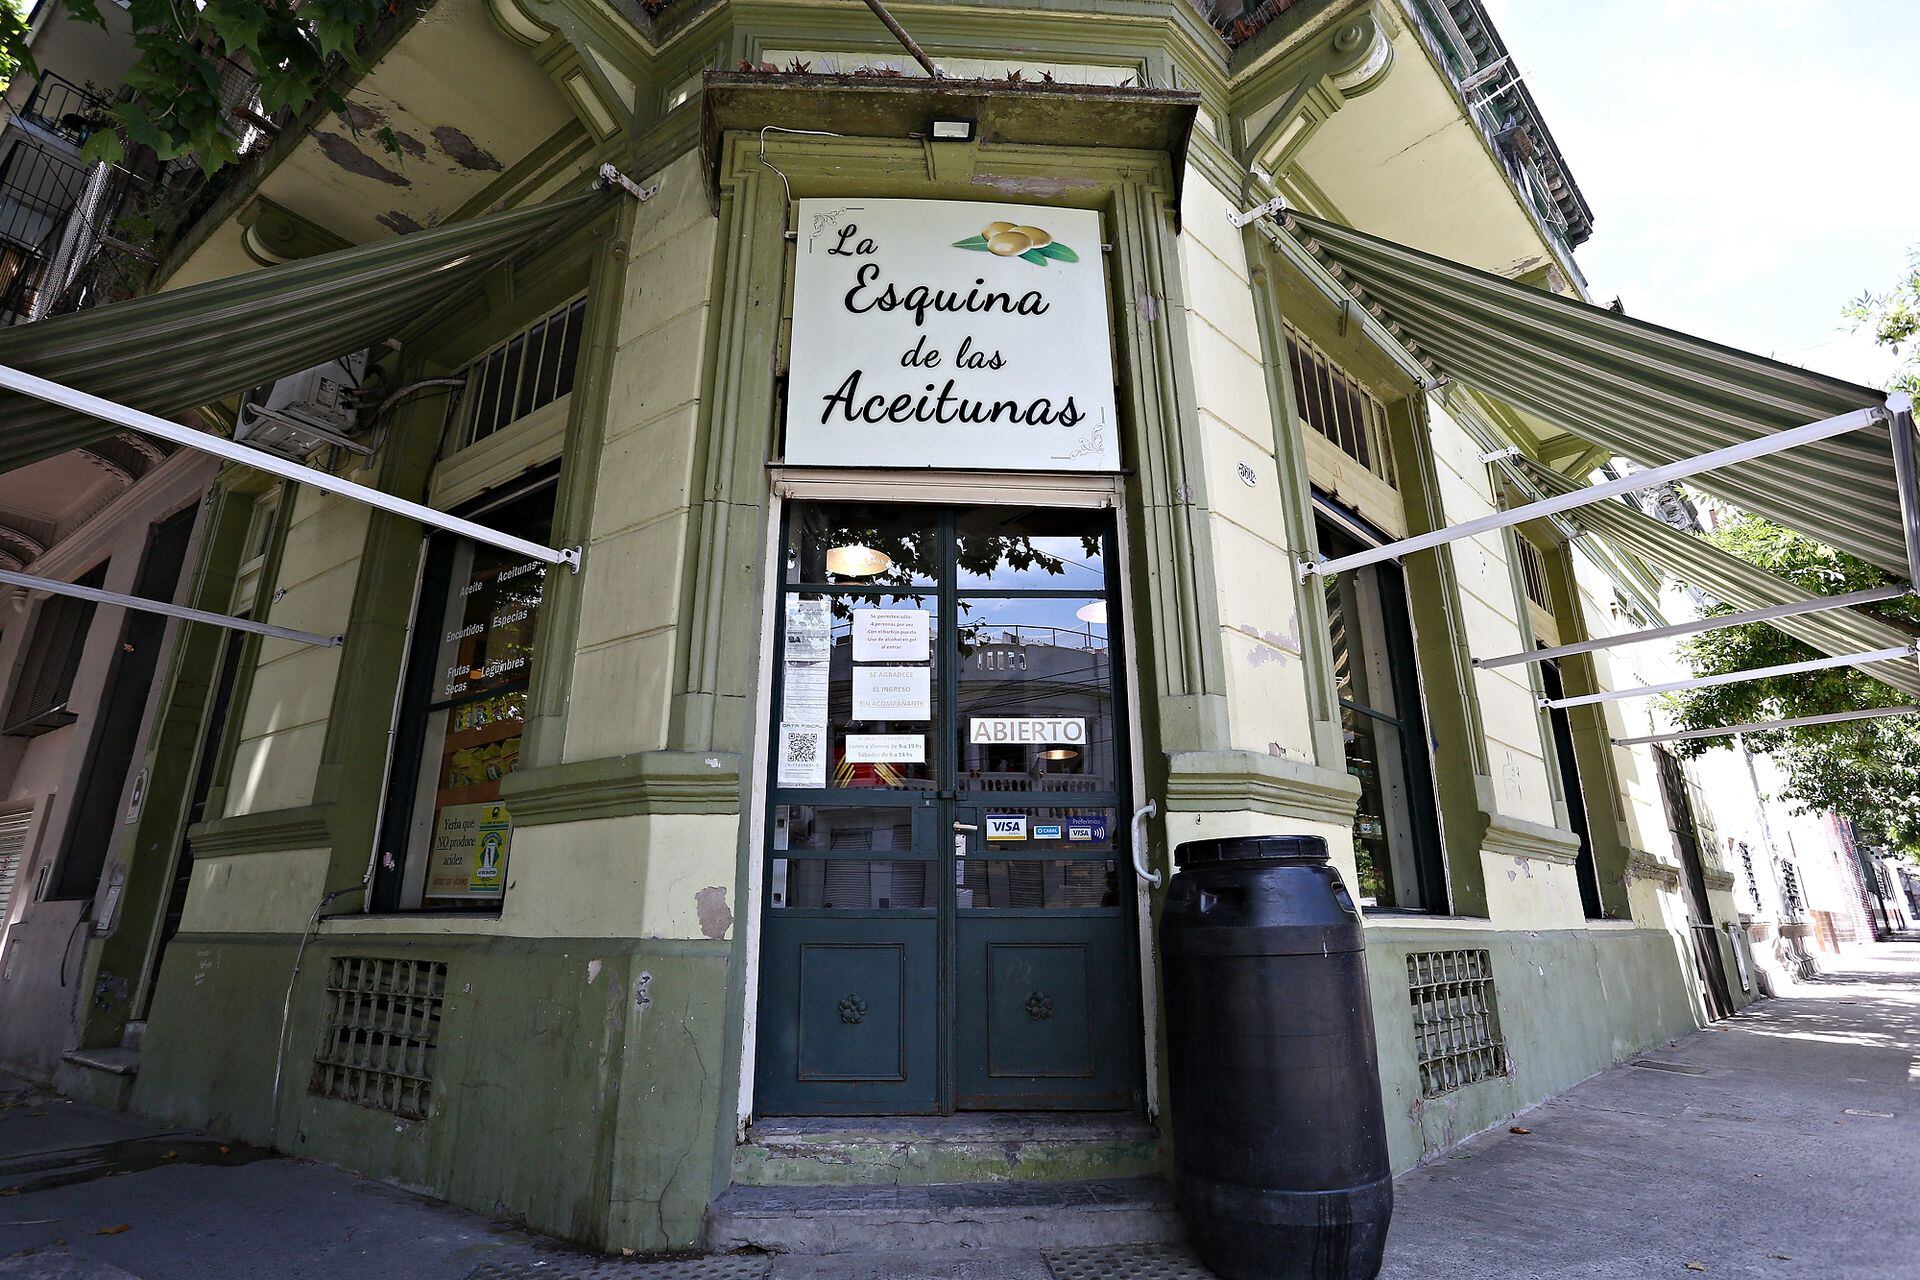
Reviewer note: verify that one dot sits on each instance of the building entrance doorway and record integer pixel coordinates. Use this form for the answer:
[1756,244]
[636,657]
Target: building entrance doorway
[948,908]
[1714,991]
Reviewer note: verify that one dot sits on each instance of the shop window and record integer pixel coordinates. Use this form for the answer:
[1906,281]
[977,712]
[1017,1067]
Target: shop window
[1339,408]
[446,835]
[1396,831]
[45,685]
[528,371]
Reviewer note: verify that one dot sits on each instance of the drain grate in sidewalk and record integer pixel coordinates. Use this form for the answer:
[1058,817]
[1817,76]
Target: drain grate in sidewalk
[1127,1262]
[1679,1068]
[723,1267]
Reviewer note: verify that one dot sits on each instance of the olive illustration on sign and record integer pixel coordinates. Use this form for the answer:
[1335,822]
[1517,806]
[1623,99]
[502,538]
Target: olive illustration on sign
[1019,240]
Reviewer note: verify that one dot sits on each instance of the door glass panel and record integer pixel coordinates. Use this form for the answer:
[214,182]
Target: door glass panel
[1035,698]
[863,544]
[850,884]
[874,686]
[1039,884]
[1020,547]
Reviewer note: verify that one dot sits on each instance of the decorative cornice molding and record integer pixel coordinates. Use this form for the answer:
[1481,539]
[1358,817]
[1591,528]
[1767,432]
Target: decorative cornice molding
[1642,865]
[275,831]
[617,786]
[1277,109]
[1235,781]
[603,95]
[1716,878]
[1519,838]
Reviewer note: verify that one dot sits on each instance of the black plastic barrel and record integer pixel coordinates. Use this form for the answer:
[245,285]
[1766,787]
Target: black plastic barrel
[1280,1145]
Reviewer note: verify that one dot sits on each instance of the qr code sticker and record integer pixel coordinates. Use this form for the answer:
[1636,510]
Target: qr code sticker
[803,746]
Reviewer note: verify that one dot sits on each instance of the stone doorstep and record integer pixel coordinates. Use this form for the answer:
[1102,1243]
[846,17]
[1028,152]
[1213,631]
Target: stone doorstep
[101,1077]
[925,1150]
[946,1216]
[119,1062]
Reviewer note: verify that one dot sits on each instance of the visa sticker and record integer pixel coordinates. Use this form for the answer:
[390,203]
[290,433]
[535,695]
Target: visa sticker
[1006,826]
[1087,828]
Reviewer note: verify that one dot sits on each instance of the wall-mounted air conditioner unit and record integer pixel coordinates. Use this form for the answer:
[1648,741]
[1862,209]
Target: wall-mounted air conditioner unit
[314,408]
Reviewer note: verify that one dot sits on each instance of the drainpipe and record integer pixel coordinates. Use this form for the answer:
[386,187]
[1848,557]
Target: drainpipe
[286,1008]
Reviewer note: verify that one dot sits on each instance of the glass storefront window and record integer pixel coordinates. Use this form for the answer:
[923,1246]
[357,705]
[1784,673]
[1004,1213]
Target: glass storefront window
[462,716]
[1395,827]
[1028,549]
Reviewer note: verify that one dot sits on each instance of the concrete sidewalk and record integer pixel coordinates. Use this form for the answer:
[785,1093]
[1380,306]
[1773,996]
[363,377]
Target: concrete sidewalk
[1783,1143]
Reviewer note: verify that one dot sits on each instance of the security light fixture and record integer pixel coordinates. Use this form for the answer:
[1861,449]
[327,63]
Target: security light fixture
[953,131]
[857,561]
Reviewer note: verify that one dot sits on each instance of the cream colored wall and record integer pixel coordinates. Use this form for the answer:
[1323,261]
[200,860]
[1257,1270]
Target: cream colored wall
[622,676]
[1491,615]
[255,892]
[284,724]
[1253,572]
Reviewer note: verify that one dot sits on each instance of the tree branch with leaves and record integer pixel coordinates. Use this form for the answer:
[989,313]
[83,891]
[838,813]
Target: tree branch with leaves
[295,50]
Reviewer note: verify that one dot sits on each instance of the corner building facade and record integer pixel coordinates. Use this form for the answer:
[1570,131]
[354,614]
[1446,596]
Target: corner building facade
[811,794]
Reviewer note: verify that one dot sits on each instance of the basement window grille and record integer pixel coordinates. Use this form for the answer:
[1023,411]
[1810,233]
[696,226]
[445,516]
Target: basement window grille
[1333,403]
[1533,572]
[528,371]
[383,1033]
[1456,1020]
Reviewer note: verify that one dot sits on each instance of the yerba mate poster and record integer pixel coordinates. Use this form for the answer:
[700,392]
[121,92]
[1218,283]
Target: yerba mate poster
[946,333]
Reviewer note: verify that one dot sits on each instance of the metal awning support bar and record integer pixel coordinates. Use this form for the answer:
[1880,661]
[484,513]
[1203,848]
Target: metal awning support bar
[187,437]
[1717,623]
[1888,654]
[53,586]
[1746,449]
[1767,726]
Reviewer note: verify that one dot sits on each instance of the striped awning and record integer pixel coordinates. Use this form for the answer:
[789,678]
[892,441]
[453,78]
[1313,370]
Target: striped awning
[1732,581]
[168,353]
[1646,393]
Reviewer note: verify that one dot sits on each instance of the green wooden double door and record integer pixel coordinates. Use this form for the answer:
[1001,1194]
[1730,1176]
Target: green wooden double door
[948,910]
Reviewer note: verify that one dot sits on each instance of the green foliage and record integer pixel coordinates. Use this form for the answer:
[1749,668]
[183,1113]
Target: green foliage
[1894,317]
[13,36]
[294,51]
[1866,771]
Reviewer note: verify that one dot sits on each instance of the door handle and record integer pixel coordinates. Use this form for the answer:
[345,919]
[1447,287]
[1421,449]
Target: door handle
[965,826]
[1139,830]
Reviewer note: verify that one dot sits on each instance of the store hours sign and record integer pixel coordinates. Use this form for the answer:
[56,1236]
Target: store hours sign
[948,333]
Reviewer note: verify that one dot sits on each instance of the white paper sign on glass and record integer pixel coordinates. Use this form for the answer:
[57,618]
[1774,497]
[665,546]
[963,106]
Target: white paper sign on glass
[809,629]
[886,748]
[950,333]
[892,693]
[803,756]
[892,635]
[1028,730]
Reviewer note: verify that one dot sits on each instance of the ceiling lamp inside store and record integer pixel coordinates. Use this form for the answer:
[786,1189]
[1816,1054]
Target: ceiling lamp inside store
[1060,753]
[857,561]
[1095,612]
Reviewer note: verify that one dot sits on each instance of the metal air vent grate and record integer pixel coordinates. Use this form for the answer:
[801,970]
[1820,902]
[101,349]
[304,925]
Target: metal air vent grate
[1456,1019]
[383,1033]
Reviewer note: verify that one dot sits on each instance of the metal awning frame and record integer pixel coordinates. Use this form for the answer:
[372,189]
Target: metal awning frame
[1719,622]
[1768,726]
[53,586]
[187,437]
[1897,413]
[1891,653]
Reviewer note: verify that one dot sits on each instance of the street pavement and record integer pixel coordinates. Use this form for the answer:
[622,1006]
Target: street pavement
[1781,1143]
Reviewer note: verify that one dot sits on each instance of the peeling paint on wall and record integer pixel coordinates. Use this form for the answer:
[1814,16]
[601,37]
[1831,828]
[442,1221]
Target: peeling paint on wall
[344,153]
[463,150]
[398,223]
[716,917]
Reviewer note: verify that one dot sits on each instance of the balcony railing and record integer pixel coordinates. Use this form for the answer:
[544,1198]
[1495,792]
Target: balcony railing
[65,110]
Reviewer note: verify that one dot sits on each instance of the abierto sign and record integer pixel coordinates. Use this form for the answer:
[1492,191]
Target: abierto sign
[950,333]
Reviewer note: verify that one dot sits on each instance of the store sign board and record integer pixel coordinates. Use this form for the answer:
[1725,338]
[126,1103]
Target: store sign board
[950,333]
